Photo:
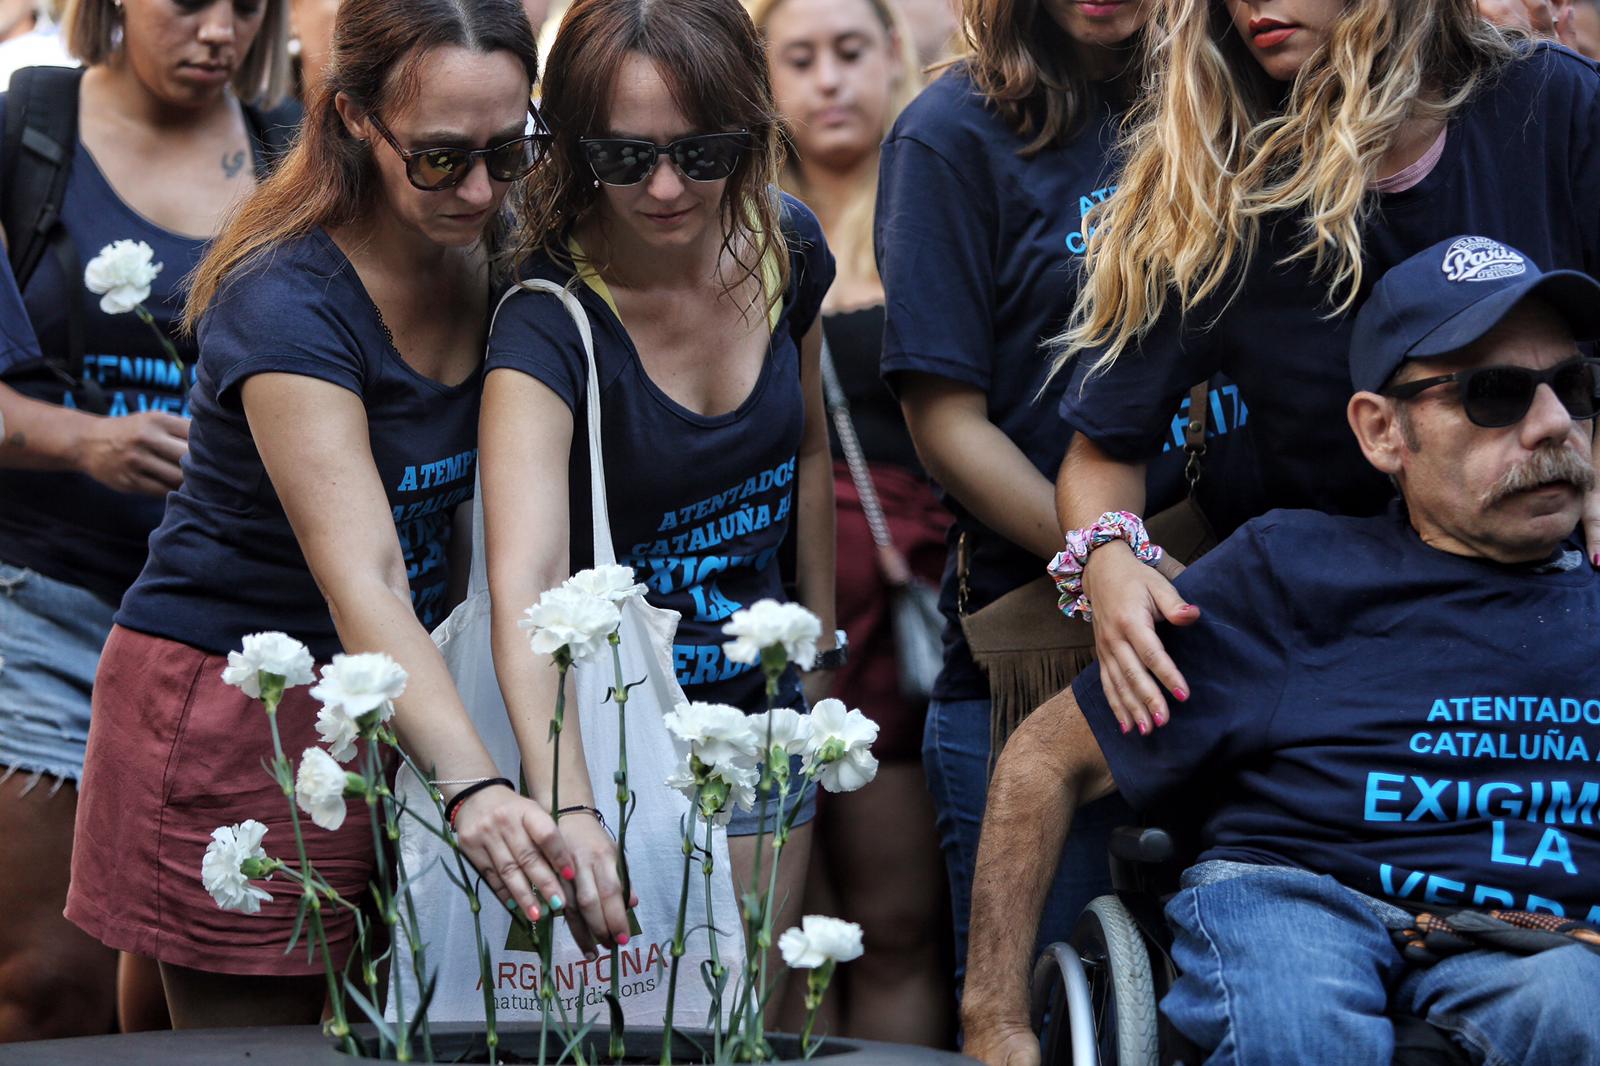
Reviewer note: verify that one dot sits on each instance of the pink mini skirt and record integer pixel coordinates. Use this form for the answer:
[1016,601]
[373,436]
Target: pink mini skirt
[174,753]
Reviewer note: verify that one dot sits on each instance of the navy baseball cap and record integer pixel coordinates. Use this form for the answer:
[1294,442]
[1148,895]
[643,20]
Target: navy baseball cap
[1442,299]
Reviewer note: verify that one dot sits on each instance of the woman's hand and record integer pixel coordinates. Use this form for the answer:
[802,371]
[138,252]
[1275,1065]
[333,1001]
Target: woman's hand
[1129,598]
[601,914]
[514,843]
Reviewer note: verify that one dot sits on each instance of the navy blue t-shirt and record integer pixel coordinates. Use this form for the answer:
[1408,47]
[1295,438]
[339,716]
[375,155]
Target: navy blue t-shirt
[66,525]
[224,561]
[1420,725]
[699,505]
[1521,164]
[980,249]
[18,345]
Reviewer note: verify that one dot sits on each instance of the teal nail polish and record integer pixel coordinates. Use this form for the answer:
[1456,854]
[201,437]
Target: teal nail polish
[555,903]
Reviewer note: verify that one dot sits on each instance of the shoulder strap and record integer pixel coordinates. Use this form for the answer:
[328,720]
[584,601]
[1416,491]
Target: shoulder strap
[41,134]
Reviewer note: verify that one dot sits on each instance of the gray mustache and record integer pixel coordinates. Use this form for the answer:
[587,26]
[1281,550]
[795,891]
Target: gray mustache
[1543,467]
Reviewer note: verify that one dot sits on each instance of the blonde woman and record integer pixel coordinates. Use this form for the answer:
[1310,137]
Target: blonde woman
[1288,153]
[841,71]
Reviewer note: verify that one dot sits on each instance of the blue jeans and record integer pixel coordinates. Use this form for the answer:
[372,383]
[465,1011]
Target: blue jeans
[955,756]
[1283,966]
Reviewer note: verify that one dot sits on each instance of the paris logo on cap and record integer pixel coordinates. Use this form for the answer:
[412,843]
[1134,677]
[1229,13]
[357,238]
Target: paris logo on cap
[1481,259]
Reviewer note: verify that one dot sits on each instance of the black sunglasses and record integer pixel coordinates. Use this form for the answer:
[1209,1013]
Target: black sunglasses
[702,157]
[437,169]
[1496,396]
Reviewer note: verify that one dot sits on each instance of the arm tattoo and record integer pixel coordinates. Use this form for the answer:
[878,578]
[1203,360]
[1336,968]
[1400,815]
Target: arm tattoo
[232,164]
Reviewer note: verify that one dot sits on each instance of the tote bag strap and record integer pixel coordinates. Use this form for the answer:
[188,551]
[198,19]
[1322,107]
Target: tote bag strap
[604,553]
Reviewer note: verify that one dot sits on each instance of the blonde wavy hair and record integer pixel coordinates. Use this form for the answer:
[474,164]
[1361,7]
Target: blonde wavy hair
[1213,146]
[851,239]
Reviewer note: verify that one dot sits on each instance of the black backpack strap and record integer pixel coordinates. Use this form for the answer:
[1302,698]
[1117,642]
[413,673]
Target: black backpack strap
[40,138]
[41,135]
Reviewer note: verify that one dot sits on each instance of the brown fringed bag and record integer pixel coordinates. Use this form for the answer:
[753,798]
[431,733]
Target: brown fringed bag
[1024,644]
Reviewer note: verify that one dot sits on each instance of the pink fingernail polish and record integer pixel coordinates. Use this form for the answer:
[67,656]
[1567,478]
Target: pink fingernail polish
[622,938]
[568,872]
[1124,726]
[533,914]
[1597,559]
[1144,728]
[1180,695]
[1161,718]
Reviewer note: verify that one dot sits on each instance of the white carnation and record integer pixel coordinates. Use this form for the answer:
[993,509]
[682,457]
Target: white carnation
[223,870]
[611,582]
[319,788]
[819,940]
[360,685]
[790,730]
[724,788]
[268,653]
[770,624]
[716,733]
[339,731]
[837,752]
[571,618]
[121,275]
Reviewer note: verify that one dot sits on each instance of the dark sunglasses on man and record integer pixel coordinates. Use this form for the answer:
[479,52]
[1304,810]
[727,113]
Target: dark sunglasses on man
[437,169]
[1496,396]
[623,161]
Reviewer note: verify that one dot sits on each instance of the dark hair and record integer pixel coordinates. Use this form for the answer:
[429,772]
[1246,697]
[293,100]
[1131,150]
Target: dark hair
[329,178]
[715,67]
[1032,70]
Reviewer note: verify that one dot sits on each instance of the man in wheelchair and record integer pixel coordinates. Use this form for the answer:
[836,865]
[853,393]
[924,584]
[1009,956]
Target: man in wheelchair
[1388,715]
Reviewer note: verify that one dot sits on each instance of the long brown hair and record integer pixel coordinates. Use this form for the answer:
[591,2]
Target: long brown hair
[1031,69]
[329,178]
[714,66]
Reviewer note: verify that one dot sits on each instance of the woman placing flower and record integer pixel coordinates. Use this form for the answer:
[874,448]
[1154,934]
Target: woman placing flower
[160,142]
[341,321]
[702,287]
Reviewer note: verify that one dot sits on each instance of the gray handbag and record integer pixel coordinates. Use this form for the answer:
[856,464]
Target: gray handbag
[913,602]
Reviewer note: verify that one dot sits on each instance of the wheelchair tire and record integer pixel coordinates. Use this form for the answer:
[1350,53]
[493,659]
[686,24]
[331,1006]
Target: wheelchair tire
[1118,963]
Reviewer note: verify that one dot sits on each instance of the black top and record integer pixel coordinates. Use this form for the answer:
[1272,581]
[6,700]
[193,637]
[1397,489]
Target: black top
[856,340]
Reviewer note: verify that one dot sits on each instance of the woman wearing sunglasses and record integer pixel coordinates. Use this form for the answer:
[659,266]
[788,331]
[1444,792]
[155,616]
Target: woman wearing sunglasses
[341,319]
[1349,135]
[702,285]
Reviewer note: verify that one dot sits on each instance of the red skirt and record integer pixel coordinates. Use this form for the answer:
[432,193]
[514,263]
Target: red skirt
[870,678]
[173,754]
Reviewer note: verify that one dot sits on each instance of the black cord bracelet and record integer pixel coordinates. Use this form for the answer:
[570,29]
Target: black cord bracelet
[586,810]
[452,808]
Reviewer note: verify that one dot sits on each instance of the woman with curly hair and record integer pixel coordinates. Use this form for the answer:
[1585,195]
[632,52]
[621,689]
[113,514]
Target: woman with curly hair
[1287,153]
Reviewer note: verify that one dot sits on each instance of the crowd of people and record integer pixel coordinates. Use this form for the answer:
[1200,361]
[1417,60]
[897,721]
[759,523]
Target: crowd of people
[1032,301]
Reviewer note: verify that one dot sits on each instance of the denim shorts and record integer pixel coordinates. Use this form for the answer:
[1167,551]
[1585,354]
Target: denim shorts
[51,634]
[749,823]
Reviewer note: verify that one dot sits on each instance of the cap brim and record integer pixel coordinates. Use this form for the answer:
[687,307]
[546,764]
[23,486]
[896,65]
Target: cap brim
[1574,295]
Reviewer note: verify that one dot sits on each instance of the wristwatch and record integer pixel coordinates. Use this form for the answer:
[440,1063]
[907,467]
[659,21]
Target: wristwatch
[836,656]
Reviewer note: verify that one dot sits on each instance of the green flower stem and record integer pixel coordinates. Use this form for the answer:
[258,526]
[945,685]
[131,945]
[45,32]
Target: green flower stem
[413,927]
[166,342]
[619,693]
[383,891]
[773,663]
[718,971]
[271,695]
[678,931]
[563,659]
[816,988]
[466,873]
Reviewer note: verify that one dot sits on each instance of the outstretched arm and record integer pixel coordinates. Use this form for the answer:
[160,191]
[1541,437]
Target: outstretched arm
[1051,765]
[314,440]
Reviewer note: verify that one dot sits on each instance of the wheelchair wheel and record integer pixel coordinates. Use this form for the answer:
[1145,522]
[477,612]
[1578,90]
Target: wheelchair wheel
[1121,993]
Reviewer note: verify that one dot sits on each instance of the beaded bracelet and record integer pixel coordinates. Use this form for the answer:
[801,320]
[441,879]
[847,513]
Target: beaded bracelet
[453,808]
[1067,567]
